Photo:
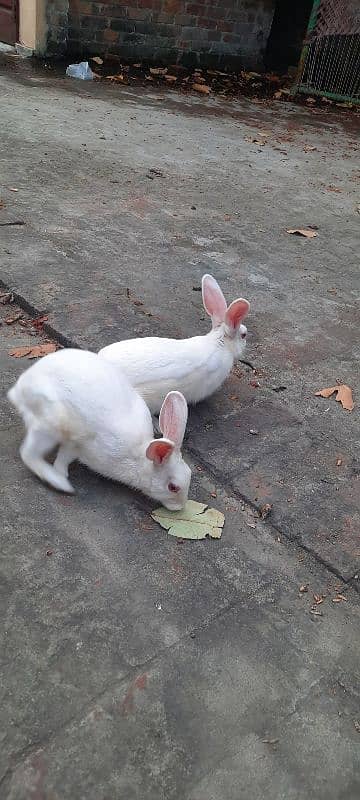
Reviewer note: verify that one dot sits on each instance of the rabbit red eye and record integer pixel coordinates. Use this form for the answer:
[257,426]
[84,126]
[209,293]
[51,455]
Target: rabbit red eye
[173,488]
[243,335]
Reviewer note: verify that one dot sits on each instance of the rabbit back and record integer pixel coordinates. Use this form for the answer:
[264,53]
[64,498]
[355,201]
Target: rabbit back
[196,367]
[82,397]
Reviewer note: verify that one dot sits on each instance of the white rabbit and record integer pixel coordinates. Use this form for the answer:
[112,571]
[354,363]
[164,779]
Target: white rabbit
[197,366]
[85,405]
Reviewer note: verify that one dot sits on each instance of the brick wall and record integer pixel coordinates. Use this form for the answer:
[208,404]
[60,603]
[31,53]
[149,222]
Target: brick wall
[208,32]
[57,20]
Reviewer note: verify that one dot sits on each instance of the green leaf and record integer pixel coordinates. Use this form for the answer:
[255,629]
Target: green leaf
[192,522]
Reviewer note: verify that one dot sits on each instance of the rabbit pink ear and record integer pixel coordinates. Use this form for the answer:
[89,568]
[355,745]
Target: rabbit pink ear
[159,450]
[173,417]
[236,312]
[213,300]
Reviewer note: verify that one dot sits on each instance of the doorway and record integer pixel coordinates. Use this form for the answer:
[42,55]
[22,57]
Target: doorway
[8,21]
[287,33]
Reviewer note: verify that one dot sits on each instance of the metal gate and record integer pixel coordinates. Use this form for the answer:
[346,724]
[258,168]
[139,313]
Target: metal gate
[8,21]
[330,60]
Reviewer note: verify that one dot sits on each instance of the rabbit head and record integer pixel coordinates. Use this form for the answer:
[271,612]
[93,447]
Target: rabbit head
[171,475]
[231,317]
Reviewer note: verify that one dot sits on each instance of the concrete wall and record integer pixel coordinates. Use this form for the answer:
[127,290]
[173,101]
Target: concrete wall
[32,25]
[208,32]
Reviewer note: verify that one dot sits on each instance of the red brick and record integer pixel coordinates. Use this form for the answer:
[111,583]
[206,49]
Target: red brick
[139,13]
[164,17]
[184,19]
[110,10]
[85,8]
[155,4]
[194,9]
[215,13]
[204,22]
[92,22]
[110,36]
[230,37]
[214,36]
[226,27]
[173,6]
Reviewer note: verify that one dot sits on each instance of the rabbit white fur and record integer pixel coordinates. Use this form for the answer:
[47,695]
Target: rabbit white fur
[197,366]
[79,401]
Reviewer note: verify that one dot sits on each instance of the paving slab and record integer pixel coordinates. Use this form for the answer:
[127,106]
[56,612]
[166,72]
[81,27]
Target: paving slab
[132,665]
[103,232]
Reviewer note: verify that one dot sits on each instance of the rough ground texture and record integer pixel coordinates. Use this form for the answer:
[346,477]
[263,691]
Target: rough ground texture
[134,667]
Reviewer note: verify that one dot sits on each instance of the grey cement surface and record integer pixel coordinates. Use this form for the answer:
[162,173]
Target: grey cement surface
[102,231]
[133,666]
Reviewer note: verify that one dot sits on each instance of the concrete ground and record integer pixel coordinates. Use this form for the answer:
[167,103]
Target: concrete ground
[133,666]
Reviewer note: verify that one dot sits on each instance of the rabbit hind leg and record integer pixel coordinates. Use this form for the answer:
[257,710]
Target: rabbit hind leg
[66,454]
[38,443]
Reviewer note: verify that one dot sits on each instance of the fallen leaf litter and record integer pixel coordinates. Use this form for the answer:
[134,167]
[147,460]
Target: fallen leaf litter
[35,351]
[194,521]
[343,395]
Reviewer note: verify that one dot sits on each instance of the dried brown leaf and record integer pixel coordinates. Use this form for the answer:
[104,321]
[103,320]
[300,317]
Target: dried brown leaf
[116,78]
[304,588]
[333,189]
[309,148]
[280,93]
[97,60]
[265,510]
[249,75]
[7,297]
[270,741]
[343,395]
[20,352]
[38,322]
[307,232]
[202,88]
[158,70]
[11,320]
[44,349]
[34,351]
